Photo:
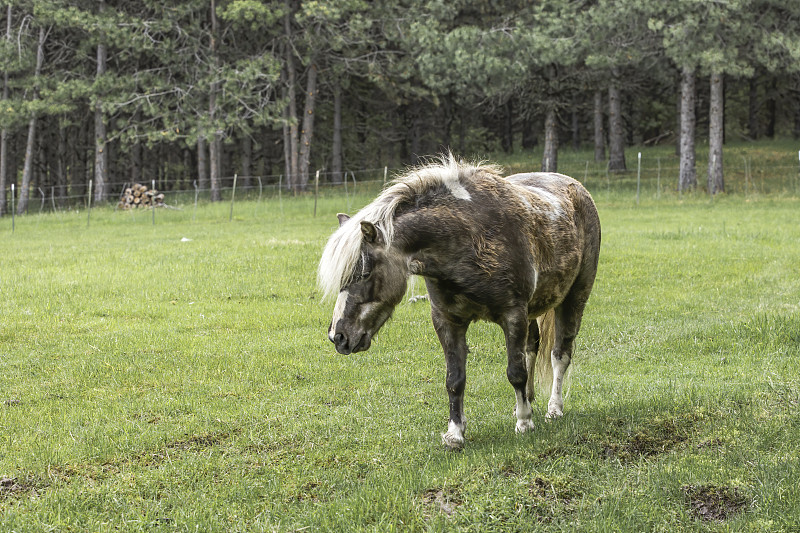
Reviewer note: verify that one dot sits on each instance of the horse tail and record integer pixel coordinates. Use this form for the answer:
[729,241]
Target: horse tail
[543,368]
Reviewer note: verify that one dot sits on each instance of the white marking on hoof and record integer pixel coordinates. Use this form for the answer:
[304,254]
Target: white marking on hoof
[553,412]
[454,438]
[524,414]
[523,426]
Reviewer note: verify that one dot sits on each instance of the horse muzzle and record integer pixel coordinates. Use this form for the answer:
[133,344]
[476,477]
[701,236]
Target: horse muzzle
[346,345]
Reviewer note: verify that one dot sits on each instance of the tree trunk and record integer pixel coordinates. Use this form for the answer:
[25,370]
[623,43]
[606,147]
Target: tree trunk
[336,149]
[616,131]
[27,169]
[247,161]
[136,162]
[4,133]
[576,130]
[287,148]
[291,80]
[599,140]
[507,138]
[550,156]
[306,134]
[30,146]
[214,166]
[462,130]
[100,156]
[61,175]
[528,134]
[202,164]
[752,110]
[796,128]
[716,114]
[213,144]
[688,174]
[772,110]
[79,166]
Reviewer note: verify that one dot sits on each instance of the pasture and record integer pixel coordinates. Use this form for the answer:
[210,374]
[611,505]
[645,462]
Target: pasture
[177,377]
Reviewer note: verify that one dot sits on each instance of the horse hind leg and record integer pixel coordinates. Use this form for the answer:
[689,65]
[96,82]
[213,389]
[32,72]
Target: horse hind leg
[531,353]
[567,324]
[516,331]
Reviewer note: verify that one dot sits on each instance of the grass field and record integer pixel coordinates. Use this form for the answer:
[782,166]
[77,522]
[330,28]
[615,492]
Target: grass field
[177,377]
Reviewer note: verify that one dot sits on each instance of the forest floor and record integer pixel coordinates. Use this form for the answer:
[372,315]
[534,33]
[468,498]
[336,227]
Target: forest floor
[176,376]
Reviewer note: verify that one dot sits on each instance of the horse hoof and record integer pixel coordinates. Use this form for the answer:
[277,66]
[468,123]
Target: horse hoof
[453,442]
[553,414]
[523,426]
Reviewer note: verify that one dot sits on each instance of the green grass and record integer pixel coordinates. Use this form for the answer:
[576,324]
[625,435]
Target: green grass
[153,384]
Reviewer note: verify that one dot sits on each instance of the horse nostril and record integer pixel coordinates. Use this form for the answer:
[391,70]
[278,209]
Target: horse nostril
[338,338]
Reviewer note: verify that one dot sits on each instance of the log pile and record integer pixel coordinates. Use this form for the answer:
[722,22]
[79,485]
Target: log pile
[139,195]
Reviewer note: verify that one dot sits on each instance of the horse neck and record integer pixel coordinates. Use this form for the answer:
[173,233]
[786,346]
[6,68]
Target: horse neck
[431,228]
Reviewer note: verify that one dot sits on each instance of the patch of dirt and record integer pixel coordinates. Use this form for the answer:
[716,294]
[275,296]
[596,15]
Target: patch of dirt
[444,501]
[656,437]
[552,497]
[192,443]
[713,503]
[15,488]
[11,402]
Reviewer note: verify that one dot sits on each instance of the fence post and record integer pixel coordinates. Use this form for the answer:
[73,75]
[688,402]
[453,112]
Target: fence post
[153,205]
[13,210]
[385,172]
[196,194]
[638,178]
[233,195]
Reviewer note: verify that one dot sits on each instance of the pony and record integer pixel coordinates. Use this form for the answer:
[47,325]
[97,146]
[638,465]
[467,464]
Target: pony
[520,251]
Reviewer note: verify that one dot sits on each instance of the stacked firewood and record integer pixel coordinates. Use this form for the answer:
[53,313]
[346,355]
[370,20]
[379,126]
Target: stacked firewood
[139,195]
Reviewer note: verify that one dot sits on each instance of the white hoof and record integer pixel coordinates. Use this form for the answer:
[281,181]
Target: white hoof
[454,438]
[553,412]
[452,442]
[523,426]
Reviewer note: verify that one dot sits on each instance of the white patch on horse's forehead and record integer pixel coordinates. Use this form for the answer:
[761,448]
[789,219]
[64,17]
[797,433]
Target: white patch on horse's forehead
[338,312]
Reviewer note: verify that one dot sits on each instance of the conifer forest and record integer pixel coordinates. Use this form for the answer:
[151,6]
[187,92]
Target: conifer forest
[191,93]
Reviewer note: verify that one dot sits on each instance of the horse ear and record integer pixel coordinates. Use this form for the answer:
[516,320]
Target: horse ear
[369,231]
[342,218]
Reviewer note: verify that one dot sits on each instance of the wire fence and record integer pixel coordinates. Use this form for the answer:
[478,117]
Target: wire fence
[651,178]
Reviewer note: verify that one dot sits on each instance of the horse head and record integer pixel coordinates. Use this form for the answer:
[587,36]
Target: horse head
[375,286]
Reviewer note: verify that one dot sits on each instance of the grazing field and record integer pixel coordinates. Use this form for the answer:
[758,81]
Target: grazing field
[177,377]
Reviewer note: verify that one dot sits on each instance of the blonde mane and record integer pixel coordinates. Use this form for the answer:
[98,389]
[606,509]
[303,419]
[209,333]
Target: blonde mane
[342,252]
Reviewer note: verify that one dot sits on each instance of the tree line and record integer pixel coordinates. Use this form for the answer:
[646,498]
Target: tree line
[113,92]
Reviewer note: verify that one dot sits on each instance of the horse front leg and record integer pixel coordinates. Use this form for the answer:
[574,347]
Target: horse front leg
[453,338]
[515,327]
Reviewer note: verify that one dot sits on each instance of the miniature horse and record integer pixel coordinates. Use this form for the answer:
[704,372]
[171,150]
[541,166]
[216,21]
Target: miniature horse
[519,251]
